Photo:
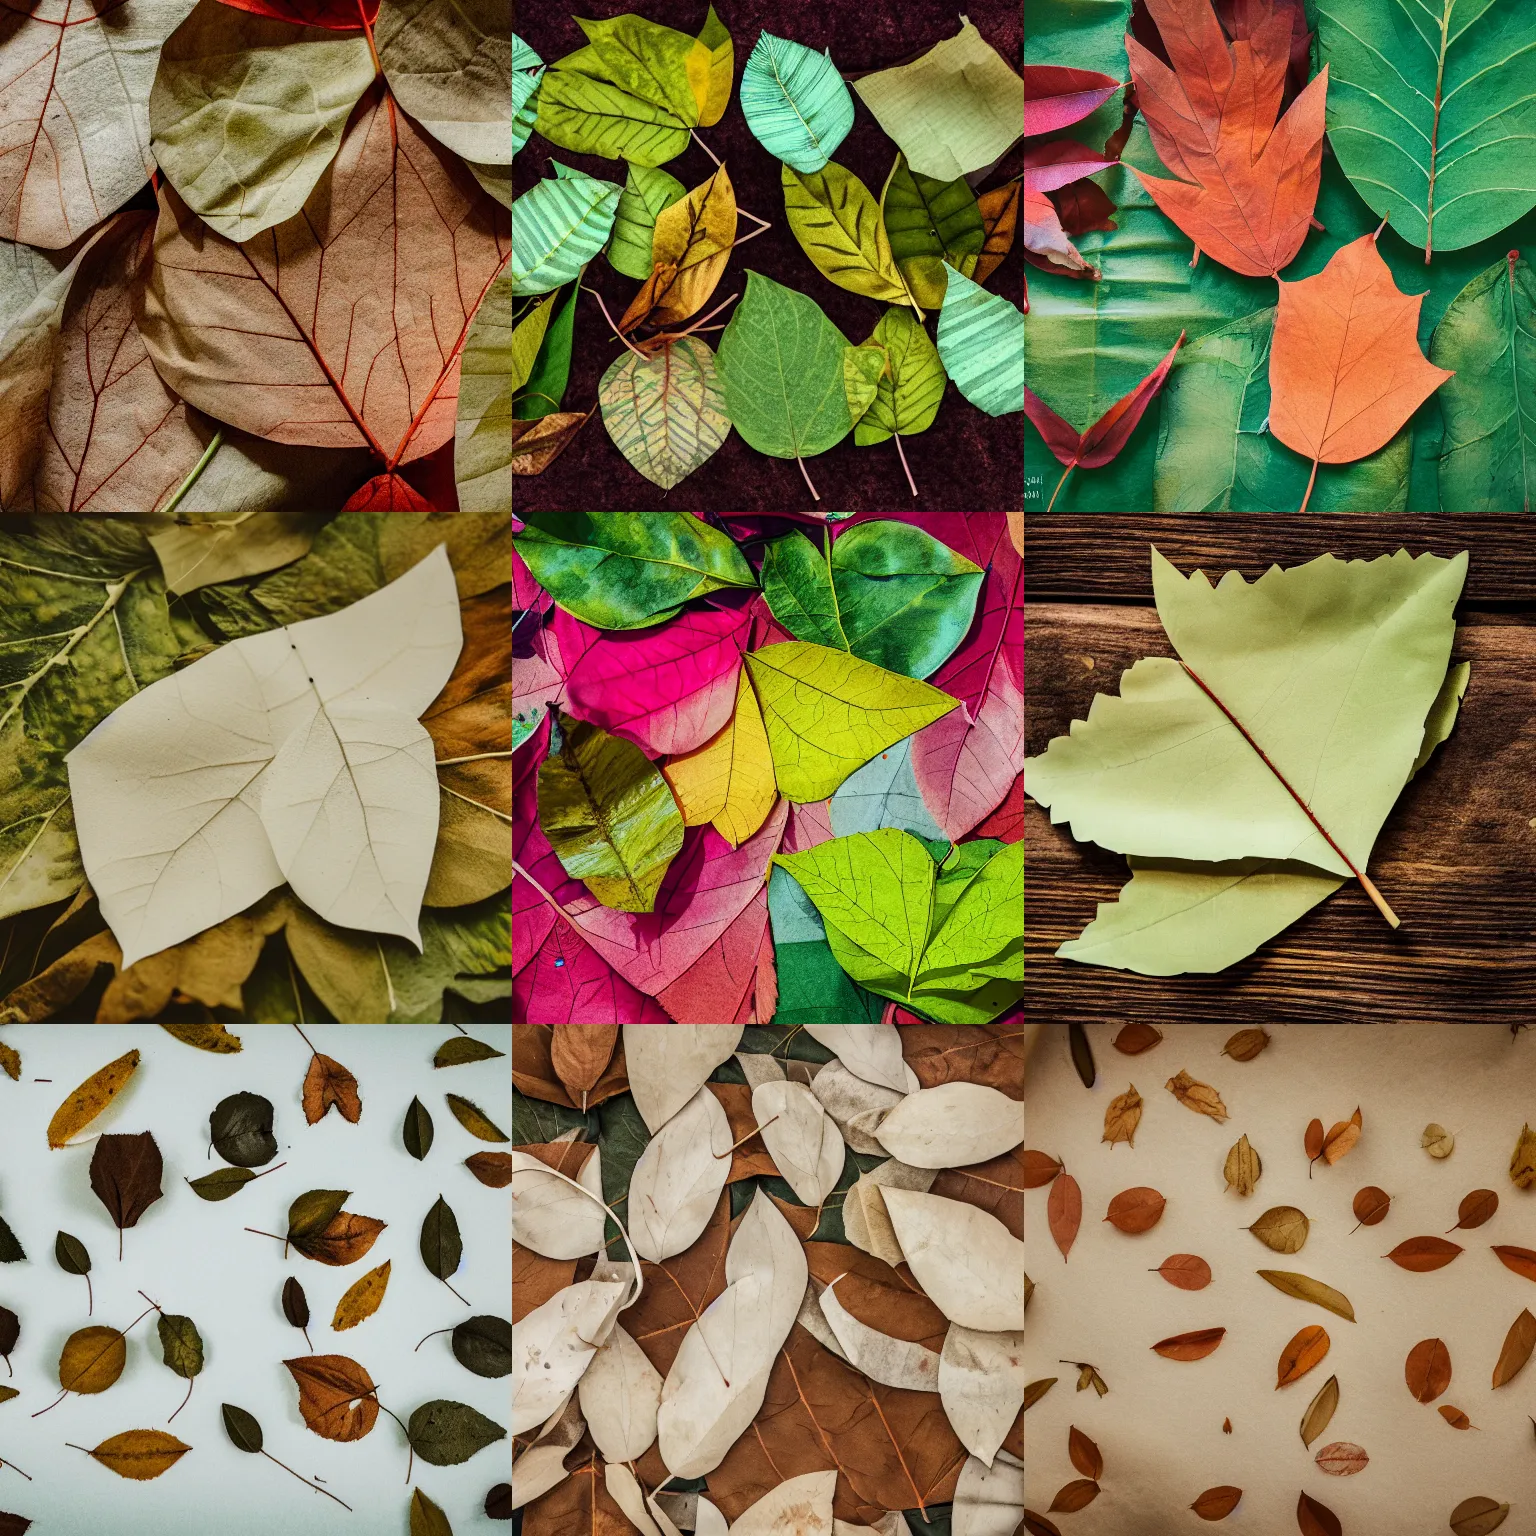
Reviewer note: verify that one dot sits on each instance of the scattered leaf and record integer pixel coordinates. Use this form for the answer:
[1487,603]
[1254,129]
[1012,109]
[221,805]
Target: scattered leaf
[1034,1525]
[1040,1168]
[1342,1138]
[1082,1054]
[1136,1038]
[295,1303]
[446,1433]
[484,1345]
[416,1132]
[334,1396]
[1422,1254]
[90,1098]
[92,1359]
[1217,1503]
[70,1254]
[1187,1271]
[206,1037]
[243,1430]
[1476,1208]
[1035,1390]
[1282,1228]
[1518,1344]
[1073,1496]
[1085,1455]
[1428,1369]
[1200,1097]
[1305,1288]
[1190,1346]
[1371,1205]
[441,1247]
[10,1061]
[362,1299]
[1478,1516]
[1316,1519]
[1342,1458]
[1303,1352]
[1135,1210]
[1244,1169]
[125,1175]
[498,1502]
[181,1345]
[1521,1260]
[474,1120]
[328,1083]
[1437,1141]
[493,1169]
[221,1183]
[1522,1165]
[241,1129]
[1320,1412]
[1313,1141]
[10,1331]
[1454,1417]
[1064,1212]
[457,1050]
[795,102]
[140,1454]
[1245,1044]
[1088,1376]
[1122,1117]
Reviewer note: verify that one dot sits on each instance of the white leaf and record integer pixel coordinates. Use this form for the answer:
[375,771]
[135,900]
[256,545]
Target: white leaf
[892,1523]
[814,1321]
[620,1392]
[660,1516]
[799,1506]
[625,1492]
[856,1107]
[952,1126]
[967,1261]
[294,754]
[981,1384]
[554,1344]
[759,1067]
[668,1066]
[801,1139]
[542,1466]
[709,1521]
[869,1051]
[549,1216]
[866,1222]
[890,1361]
[720,1376]
[677,1180]
[989,1501]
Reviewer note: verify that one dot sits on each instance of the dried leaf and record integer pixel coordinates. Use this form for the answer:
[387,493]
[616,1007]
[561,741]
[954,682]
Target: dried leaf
[70,1254]
[1428,1369]
[442,1250]
[10,1331]
[1422,1254]
[1371,1205]
[580,1055]
[1064,1212]
[125,1175]
[1136,1210]
[7,1393]
[1478,1516]
[92,1359]
[474,1120]
[1073,1496]
[416,1133]
[458,1050]
[1200,1097]
[484,1345]
[10,1060]
[493,1169]
[1342,1458]
[537,444]
[11,1251]
[1476,1208]
[241,1130]
[446,1433]
[1226,1426]
[1454,1417]
[90,1098]
[140,1454]
[1136,1038]
[1342,1138]
[334,1396]
[1320,1412]
[1082,1054]
[1217,1503]
[1187,1271]
[987,1292]
[1086,1456]
[181,1345]
[1304,1352]
[1305,1288]
[1245,1044]
[1035,1390]
[295,1303]
[1039,1169]
[1316,1519]
[345,1239]
[1190,1346]
[1282,1228]
[221,1183]
[1122,1117]
[426,1518]
[1518,1344]
[1088,1376]
[1521,1260]
[1034,1525]
[326,1083]
[1437,1141]
[1244,1169]
[1522,1165]
[206,1037]
[361,1299]
[1313,1141]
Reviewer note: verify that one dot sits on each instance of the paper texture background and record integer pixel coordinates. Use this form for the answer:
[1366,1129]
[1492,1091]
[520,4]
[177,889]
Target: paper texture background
[1159,1428]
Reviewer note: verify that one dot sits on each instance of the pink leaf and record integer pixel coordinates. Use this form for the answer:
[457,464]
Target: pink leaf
[809,824]
[718,985]
[567,982]
[765,996]
[1056,96]
[526,592]
[1059,163]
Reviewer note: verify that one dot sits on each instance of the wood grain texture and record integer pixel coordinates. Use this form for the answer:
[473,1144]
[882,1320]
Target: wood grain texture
[1456,858]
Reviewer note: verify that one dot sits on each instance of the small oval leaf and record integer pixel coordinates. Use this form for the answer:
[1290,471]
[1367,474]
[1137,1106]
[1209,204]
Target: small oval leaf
[1454,1417]
[90,1098]
[1313,1140]
[1064,1212]
[1243,1168]
[140,1454]
[1135,1210]
[1245,1044]
[1478,1516]
[1283,1229]
[474,1119]
[242,1429]
[1217,1503]
[1420,1255]
[1522,1261]
[1437,1141]
[1305,1351]
[70,1255]
[1428,1369]
[1085,1455]
[1518,1344]
[1342,1459]
[361,1299]
[1371,1205]
[1039,1169]
[1190,1346]
[1136,1038]
[1320,1412]
[1476,1208]
[1316,1519]
[1073,1496]
[1187,1271]
[221,1183]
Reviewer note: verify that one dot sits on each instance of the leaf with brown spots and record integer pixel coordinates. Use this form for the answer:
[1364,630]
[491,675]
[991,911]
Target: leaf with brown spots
[328,1083]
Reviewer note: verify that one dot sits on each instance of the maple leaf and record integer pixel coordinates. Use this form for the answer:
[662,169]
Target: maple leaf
[1248,177]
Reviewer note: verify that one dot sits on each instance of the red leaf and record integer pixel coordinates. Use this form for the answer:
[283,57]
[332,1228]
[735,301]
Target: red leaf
[1055,97]
[1046,241]
[387,493]
[1083,206]
[1007,821]
[338,15]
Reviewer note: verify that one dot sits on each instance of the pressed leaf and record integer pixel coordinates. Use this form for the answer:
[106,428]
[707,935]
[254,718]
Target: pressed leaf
[664,409]
[1133,1039]
[1085,1455]
[362,1298]
[1135,1210]
[92,1359]
[206,1037]
[1437,1141]
[442,1250]
[484,1345]
[343,1240]
[1316,1519]
[1191,1346]
[1342,1458]
[1187,1271]
[1035,1390]
[1478,1516]
[295,1303]
[313,1210]
[1304,1351]
[70,1255]
[181,1345]
[1200,1097]
[125,1176]
[1371,1205]
[1428,1369]
[1476,1208]
[221,1183]
[1518,1344]
[1064,1212]
[334,1396]
[140,1454]
[795,102]
[474,1119]
[1313,1140]
[1073,1496]
[1243,1168]
[581,1056]
[328,1083]
[1342,1138]
[426,1518]
[1217,1503]
[416,1130]
[1122,1117]
[1320,1412]
[1522,1165]
[1305,1288]
[1245,1044]
[537,444]
[1454,1417]
[90,1098]
[1282,1228]
[459,1050]
[446,1433]
[10,1250]
[1422,1254]
[1039,1169]
[10,1062]
[493,1169]
[240,1128]
[10,1331]
[1522,1261]
[999,210]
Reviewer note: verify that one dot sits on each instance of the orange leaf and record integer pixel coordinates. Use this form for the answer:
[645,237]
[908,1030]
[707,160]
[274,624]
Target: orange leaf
[1064,1212]
[1075,1496]
[1521,1260]
[1086,1456]
[1190,1346]
[1136,1038]
[1313,1141]
[1342,1458]
[1371,1205]
[1248,183]
[1342,1138]
[1428,1369]
[1301,1354]
[1454,1417]
[326,1083]
[333,1396]
[580,1054]
[1316,1519]
[1187,1271]
[1136,1210]
[1345,369]
[1217,1503]
[1476,1208]
[1422,1254]
[1000,219]
[1039,1169]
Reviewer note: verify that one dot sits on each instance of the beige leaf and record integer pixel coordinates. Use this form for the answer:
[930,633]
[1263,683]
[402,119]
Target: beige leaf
[553,1345]
[1282,1228]
[1122,1117]
[1200,1097]
[1437,1141]
[708,1521]
[90,1098]
[542,1466]
[952,1126]
[1522,1166]
[890,1361]
[620,1392]
[758,1067]
[1245,1044]
[668,1066]
[988,1499]
[981,1385]
[967,1261]
[677,1182]
[866,1221]
[628,1495]
[1305,1288]
[1342,1138]
[1478,1516]
[799,1506]
[801,1139]
[1342,1459]
[1244,1169]
[362,1298]
[1319,1412]
[870,1051]
[549,1216]
[856,1107]
[1518,1344]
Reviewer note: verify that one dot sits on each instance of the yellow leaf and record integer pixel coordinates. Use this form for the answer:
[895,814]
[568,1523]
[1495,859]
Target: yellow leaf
[362,1299]
[729,780]
[690,246]
[140,1453]
[474,1119]
[92,1359]
[206,1037]
[90,1098]
[11,1061]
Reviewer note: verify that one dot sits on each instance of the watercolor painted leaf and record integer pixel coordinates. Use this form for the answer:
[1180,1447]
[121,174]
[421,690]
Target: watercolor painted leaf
[795,102]
[665,410]
[981,345]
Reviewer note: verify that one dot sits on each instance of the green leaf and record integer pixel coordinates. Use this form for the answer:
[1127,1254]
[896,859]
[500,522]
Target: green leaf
[460,1050]
[815,989]
[445,1433]
[665,410]
[618,571]
[863,368]
[482,450]
[929,221]
[1441,719]
[181,1345]
[11,1251]
[892,595]
[1488,336]
[534,1120]
[981,343]
[442,1249]
[622,1137]
[70,1254]
[838,225]
[912,388]
[781,366]
[722,65]
[221,1183]
[609,816]
[243,1430]
[590,115]
[551,370]
[649,61]
[525,724]
[527,71]
[427,1519]
[484,1345]
[314,1210]
[795,102]
[647,191]
[1215,453]
[247,112]
[1431,112]
[559,225]
[828,713]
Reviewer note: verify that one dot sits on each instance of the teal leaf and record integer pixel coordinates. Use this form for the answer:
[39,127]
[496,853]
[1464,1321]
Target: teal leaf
[647,192]
[525,724]
[884,793]
[815,989]
[909,394]
[981,340]
[527,66]
[665,410]
[558,226]
[795,102]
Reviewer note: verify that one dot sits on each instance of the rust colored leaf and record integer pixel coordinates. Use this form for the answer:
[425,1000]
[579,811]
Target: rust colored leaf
[1521,1260]
[1342,1458]
[580,1054]
[1518,1344]
[1122,1117]
[533,1068]
[334,1396]
[1187,1271]
[1371,1205]
[1217,1503]
[1342,1138]
[1247,177]
[315,331]
[345,1239]
[1226,1426]
[535,1279]
[1073,1496]
[879,1296]
[678,1290]
[1039,1169]
[1245,1044]
[1422,1254]
[1316,1519]
[1243,1168]
[326,1083]
[1064,1212]
[91,1098]
[537,444]
[1085,1455]
[966,1053]
[580,1505]
[1320,1411]
[1135,1210]
[1428,1369]
[1191,1346]
[996,1186]
[1522,1164]
[691,245]
[1476,1208]
[387,493]
[1035,1390]
[751,1157]
[1304,1352]
[493,1169]
[1200,1097]
[1136,1038]
[1313,1141]
[1038,1525]
[1454,1417]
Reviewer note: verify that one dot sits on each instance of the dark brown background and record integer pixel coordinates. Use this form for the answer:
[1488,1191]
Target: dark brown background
[1456,858]
[966,461]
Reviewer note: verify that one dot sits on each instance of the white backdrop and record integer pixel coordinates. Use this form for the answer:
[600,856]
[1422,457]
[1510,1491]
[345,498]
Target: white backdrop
[193,1257]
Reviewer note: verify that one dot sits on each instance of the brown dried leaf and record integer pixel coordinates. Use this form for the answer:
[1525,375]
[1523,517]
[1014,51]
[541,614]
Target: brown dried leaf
[329,1083]
[1313,1140]
[536,1279]
[1304,1352]
[1316,1519]
[1088,1376]
[1073,1496]
[996,1187]
[1305,1288]
[1245,1044]
[1136,1038]
[334,1396]
[1135,1210]
[1064,1212]
[1039,1169]
[1226,1426]
[1082,1054]
[345,1239]
[533,1068]
[1454,1417]
[1478,1516]
[1243,1167]
[1187,1271]
[1342,1459]
[10,1060]
[1086,1456]
[1122,1117]
[1371,1205]
[1428,1369]
[140,1454]
[493,1169]
[1476,1208]
[1217,1503]
[1342,1138]
[1320,1412]
[1038,1525]
[90,1098]
[1518,1344]
[751,1156]
[1282,1228]
[963,1053]
[125,1175]
[678,1290]
[580,1054]
[537,444]
[1437,1141]
[1200,1097]
[206,1037]
[92,1359]
[1522,1166]
[1420,1255]
[1521,1260]
[1191,1346]
[1035,1390]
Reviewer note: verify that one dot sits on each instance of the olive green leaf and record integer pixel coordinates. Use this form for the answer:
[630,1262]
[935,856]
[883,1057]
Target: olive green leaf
[559,225]
[929,222]
[838,225]
[489,365]
[657,63]
[446,1433]
[442,1250]
[1305,1288]
[11,1252]
[863,368]
[70,1254]
[484,1345]
[221,1184]
[1429,105]
[416,1132]
[527,70]
[458,1050]
[312,1211]
[426,1518]
[664,409]
[608,815]
[911,389]
[617,571]
[1488,335]
[181,1344]
[243,1430]
[647,191]
[241,1130]
[246,113]
[551,371]
[981,343]
[474,1119]
[591,116]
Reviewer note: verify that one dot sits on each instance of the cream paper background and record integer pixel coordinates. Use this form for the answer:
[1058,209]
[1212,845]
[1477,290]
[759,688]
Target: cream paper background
[1159,1428]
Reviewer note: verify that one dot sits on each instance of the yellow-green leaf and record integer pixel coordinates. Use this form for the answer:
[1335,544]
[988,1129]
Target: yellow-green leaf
[361,1299]
[474,1119]
[837,222]
[863,368]
[729,780]
[528,337]
[648,192]
[426,1518]
[908,394]
[90,1098]
[711,78]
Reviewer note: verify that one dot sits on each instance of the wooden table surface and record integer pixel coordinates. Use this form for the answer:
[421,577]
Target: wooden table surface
[1456,858]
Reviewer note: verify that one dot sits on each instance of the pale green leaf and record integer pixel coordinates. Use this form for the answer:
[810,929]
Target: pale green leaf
[928,222]
[1441,719]
[647,191]
[482,449]
[664,411]
[795,102]
[911,390]
[863,368]
[838,225]
[527,71]
[981,342]
[558,226]
[195,549]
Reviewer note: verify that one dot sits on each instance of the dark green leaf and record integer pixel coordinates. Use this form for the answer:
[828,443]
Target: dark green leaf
[785,1041]
[441,1247]
[241,1128]
[498,1502]
[295,1303]
[416,1133]
[937,1523]
[312,1211]
[446,1433]
[815,989]
[10,1331]
[10,1249]
[484,1345]
[623,1137]
[221,1183]
[70,1255]
[182,1345]
[545,389]
[461,1049]
[1082,1054]
[534,1120]
[242,1429]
